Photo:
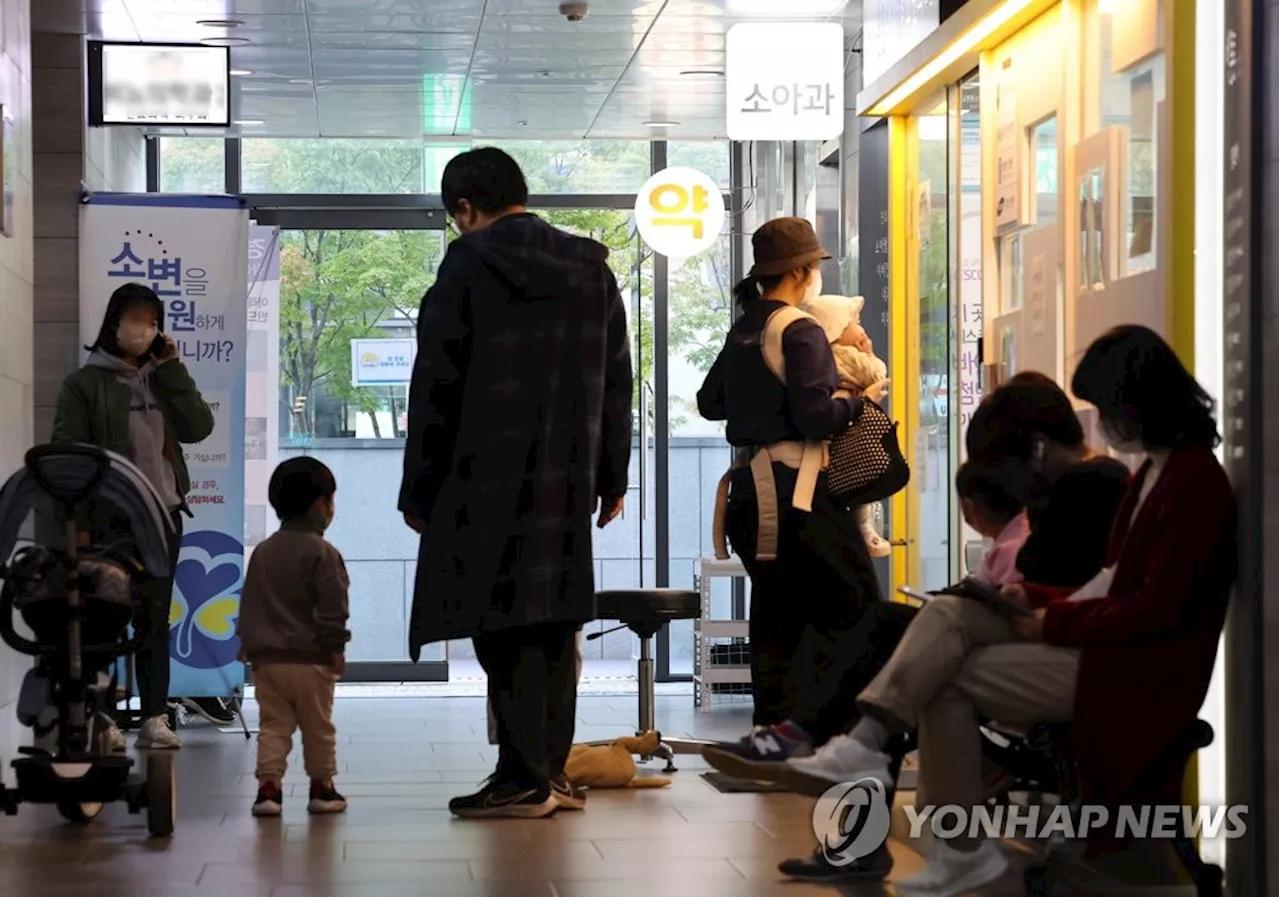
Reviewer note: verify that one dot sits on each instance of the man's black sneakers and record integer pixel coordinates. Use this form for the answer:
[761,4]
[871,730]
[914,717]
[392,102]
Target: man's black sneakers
[816,867]
[499,800]
[568,796]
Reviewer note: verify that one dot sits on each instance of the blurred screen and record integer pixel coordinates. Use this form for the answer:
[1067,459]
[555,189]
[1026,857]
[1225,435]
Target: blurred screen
[156,84]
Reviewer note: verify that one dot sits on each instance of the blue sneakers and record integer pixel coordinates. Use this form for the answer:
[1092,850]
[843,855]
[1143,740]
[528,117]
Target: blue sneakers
[758,756]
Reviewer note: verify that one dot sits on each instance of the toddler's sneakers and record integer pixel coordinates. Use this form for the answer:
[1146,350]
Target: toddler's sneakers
[270,801]
[324,800]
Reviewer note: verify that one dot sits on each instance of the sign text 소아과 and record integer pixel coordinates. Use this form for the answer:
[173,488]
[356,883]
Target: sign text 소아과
[784,81]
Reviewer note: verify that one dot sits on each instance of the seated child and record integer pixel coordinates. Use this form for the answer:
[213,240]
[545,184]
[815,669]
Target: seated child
[293,631]
[858,368]
[996,516]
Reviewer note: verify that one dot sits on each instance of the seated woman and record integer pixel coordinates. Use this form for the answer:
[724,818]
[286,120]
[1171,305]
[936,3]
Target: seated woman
[1130,667]
[1148,642]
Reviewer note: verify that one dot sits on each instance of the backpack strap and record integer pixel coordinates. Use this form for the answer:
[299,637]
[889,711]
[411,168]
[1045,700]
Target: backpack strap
[814,458]
[771,338]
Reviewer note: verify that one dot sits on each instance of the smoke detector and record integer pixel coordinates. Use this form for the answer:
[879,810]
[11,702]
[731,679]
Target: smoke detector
[574,12]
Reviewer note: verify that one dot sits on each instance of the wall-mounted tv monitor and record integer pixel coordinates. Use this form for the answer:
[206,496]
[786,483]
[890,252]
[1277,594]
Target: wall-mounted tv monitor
[159,85]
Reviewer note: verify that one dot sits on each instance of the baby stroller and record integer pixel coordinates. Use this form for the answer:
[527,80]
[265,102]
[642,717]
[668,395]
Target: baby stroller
[78,603]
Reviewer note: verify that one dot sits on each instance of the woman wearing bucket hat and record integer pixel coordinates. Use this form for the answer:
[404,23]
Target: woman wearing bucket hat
[806,558]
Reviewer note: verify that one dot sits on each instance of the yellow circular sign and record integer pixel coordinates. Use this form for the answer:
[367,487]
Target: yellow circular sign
[680,212]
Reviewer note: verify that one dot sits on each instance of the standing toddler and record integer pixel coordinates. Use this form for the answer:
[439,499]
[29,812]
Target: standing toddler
[293,632]
[858,369]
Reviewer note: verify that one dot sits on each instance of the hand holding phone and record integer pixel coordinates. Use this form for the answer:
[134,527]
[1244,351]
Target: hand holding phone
[914,593]
[163,348]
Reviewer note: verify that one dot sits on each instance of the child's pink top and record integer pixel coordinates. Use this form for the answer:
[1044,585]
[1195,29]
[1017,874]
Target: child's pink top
[1000,563]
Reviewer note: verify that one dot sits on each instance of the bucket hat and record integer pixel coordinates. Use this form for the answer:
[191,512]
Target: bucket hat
[783,244]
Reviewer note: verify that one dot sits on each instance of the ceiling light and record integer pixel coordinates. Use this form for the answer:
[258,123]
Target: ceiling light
[223,41]
[709,72]
[240,73]
[249,122]
[792,9]
[220,23]
[661,124]
[300,81]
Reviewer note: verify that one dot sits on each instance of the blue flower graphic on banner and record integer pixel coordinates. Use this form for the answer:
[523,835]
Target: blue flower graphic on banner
[206,600]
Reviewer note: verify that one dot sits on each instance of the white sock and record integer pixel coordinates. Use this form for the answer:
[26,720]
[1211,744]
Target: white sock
[871,733]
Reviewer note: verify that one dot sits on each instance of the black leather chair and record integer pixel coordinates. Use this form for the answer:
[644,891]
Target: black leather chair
[645,612]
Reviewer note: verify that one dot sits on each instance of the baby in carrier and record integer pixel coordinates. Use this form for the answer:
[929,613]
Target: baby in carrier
[858,368]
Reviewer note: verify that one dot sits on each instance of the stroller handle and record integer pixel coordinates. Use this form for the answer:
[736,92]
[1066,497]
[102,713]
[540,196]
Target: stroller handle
[68,498]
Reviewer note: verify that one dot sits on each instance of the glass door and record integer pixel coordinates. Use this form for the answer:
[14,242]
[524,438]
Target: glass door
[339,284]
[929,501]
[967,314]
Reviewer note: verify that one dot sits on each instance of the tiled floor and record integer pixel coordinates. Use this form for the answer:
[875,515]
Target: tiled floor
[402,759]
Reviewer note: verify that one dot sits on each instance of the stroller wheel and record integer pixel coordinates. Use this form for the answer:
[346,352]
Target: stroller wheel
[78,813]
[162,793]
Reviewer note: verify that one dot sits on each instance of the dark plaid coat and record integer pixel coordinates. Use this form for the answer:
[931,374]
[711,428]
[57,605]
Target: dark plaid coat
[519,421]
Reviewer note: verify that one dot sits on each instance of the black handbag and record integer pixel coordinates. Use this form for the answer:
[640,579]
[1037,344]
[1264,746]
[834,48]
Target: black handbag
[866,463]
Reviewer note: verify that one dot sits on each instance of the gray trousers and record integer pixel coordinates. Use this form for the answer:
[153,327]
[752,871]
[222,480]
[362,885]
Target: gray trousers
[957,665]
[488,706]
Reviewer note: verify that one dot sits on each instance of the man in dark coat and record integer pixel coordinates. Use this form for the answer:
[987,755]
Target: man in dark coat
[519,428]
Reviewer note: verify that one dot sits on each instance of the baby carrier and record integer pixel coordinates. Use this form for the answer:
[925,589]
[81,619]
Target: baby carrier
[864,462]
[78,602]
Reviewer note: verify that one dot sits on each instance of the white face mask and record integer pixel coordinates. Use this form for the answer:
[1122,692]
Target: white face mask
[814,289]
[135,339]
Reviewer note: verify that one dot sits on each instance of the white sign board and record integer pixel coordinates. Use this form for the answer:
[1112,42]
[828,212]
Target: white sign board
[785,81]
[382,362]
[680,212]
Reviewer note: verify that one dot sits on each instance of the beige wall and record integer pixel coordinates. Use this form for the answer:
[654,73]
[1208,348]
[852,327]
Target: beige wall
[16,278]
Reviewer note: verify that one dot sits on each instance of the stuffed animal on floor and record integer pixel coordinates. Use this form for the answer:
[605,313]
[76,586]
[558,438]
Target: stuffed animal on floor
[613,765]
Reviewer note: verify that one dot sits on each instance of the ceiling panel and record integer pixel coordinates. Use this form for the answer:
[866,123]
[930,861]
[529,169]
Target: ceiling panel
[432,20]
[396,7]
[209,9]
[464,68]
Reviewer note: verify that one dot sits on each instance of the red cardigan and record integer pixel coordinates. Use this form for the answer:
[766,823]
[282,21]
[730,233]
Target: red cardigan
[1148,648]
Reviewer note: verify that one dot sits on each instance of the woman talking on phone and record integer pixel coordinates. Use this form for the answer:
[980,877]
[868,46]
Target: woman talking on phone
[135,397]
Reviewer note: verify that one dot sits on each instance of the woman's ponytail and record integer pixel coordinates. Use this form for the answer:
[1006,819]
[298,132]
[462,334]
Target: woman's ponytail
[747,291]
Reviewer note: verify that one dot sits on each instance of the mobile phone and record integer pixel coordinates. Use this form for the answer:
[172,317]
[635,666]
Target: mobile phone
[914,593]
[158,346]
